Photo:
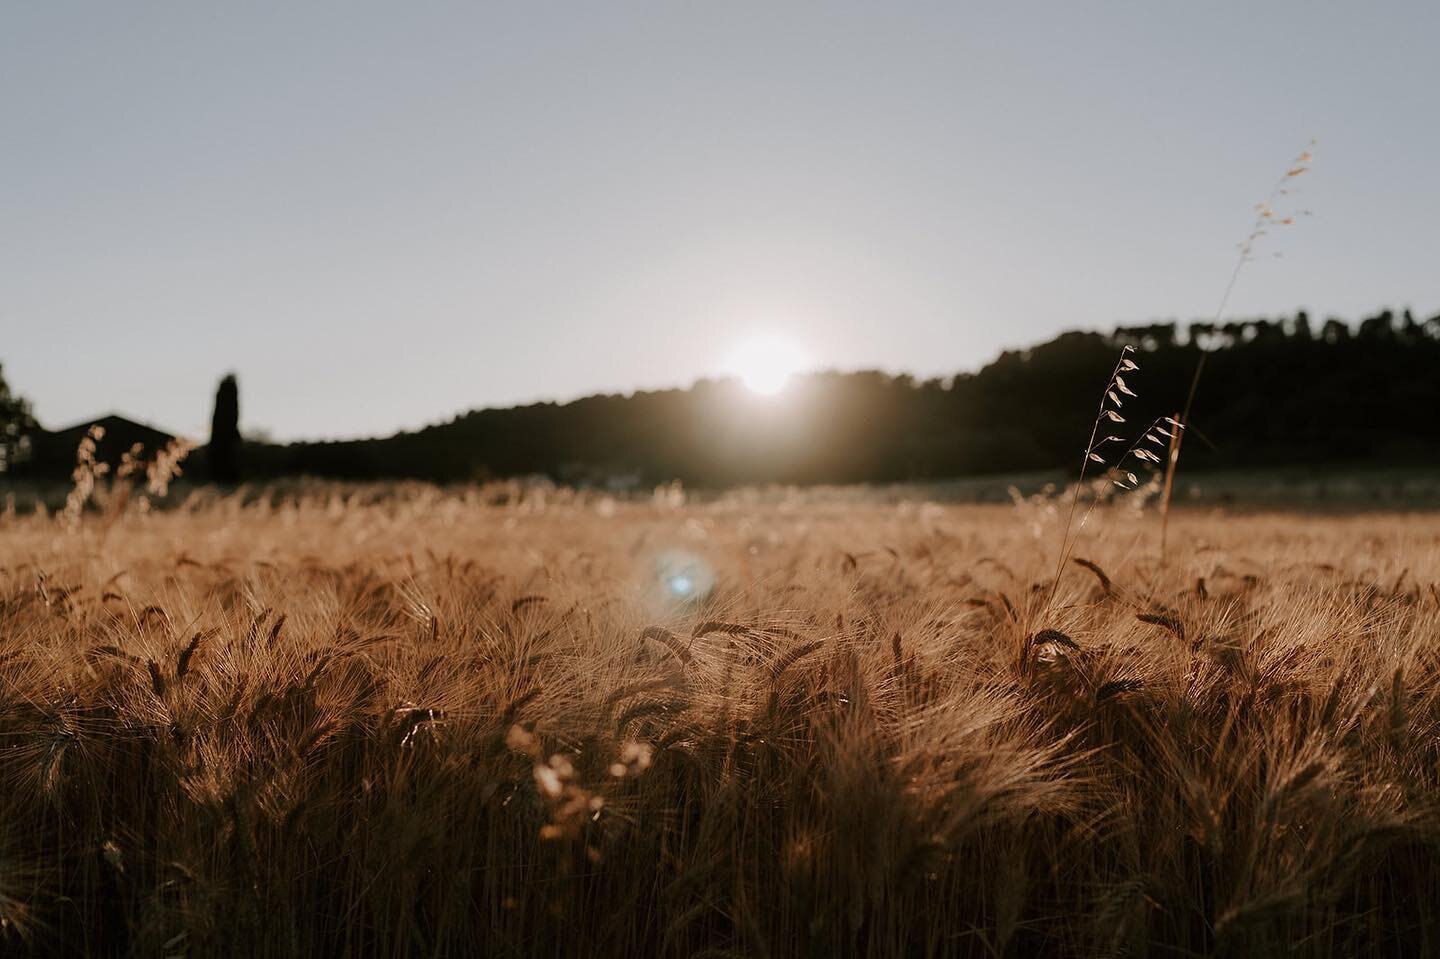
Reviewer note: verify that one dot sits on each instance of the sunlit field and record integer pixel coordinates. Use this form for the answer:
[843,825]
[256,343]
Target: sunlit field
[509,721]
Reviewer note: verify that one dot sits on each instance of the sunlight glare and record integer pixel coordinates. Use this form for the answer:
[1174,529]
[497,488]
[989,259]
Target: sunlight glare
[766,363]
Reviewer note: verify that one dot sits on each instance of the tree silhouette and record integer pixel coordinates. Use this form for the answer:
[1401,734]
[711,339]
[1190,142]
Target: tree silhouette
[223,453]
[16,424]
[1276,391]
[1285,390]
[1300,330]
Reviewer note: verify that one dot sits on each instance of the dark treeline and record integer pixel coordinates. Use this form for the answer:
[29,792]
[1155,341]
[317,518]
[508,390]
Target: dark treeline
[1273,392]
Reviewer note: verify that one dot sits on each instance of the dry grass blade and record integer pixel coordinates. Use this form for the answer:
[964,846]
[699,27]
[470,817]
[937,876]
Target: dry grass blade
[512,709]
[1397,714]
[669,640]
[790,658]
[1116,687]
[523,602]
[157,679]
[1330,709]
[182,665]
[638,689]
[715,626]
[1166,621]
[151,612]
[1055,637]
[275,632]
[107,650]
[1104,580]
[781,667]
[643,709]
[253,633]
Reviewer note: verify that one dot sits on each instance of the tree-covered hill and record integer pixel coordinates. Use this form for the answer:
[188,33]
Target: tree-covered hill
[1273,392]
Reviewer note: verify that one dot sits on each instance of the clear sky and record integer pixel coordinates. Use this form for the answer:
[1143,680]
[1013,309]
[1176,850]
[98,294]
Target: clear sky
[382,214]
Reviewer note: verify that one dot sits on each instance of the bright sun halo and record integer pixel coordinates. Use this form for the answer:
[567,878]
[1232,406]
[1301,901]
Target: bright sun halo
[766,363]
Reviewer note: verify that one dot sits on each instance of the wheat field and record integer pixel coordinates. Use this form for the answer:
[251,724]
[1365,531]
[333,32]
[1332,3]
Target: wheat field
[529,722]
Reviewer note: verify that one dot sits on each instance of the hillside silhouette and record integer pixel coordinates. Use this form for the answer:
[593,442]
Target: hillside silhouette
[1274,392]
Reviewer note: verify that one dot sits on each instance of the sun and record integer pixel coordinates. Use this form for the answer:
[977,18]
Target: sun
[766,363]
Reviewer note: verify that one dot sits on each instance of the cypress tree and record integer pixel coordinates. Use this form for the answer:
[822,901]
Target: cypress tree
[223,454]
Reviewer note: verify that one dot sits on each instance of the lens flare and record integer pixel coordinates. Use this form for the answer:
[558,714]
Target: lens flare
[681,577]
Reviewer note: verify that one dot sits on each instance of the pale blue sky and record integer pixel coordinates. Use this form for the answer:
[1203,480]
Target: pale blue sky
[382,214]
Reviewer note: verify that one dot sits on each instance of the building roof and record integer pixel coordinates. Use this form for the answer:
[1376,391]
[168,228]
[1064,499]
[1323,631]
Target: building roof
[114,422]
[53,451]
